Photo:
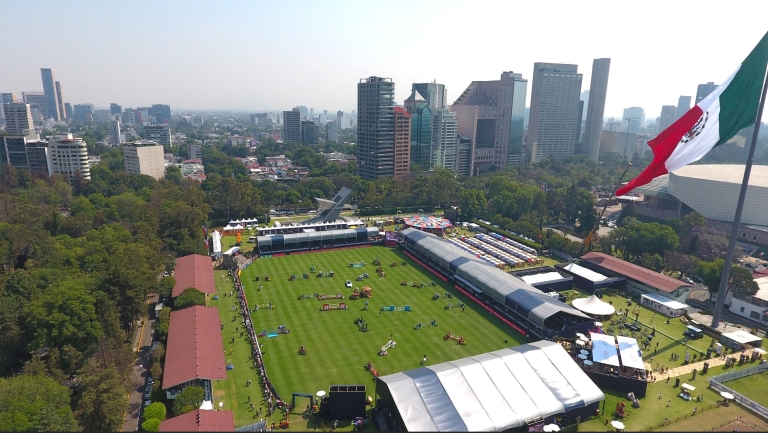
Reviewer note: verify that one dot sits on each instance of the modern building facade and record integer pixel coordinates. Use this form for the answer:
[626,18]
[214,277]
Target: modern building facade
[310,132]
[18,117]
[484,114]
[633,119]
[376,127]
[683,105]
[516,150]
[598,90]
[9,98]
[129,117]
[37,105]
[667,117]
[292,125]
[68,110]
[554,119]
[194,151]
[464,155]
[101,116]
[51,99]
[444,139]
[159,133]
[84,112]
[402,119]
[69,155]
[161,113]
[434,94]
[421,128]
[60,101]
[332,130]
[115,108]
[26,153]
[703,90]
[113,132]
[144,157]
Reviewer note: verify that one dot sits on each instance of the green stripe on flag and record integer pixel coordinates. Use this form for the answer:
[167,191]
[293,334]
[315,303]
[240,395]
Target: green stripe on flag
[740,100]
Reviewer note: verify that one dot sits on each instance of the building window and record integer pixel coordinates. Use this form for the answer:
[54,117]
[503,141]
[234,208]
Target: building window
[741,309]
[754,315]
[744,234]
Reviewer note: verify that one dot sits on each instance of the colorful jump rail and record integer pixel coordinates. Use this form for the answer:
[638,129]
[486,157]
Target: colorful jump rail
[331,307]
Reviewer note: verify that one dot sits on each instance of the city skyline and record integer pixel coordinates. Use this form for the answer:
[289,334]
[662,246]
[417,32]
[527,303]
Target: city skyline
[260,56]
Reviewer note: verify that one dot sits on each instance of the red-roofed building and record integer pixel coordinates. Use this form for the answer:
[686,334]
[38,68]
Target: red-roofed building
[195,271]
[639,279]
[200,420]
[194,354]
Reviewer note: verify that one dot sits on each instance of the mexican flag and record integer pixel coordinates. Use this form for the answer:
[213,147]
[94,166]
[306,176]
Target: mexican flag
[712,122]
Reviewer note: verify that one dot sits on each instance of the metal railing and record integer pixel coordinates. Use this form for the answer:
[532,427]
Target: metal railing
[716,382]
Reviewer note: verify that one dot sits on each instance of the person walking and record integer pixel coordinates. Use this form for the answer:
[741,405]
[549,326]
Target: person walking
[669,403]
[424,361]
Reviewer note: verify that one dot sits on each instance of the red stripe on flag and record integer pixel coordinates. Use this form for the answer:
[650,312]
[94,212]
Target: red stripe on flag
[663,146]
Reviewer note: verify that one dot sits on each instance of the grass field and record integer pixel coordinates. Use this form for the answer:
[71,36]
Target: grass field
[754,386]
[336,350]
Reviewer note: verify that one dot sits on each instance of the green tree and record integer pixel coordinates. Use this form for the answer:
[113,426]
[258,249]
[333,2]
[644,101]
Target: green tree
[165,286]
[190,399]
[151,424]
[101,402]
[740,279]
[654,262]
[188,298]
[472,203]
[35,403]
[155,410]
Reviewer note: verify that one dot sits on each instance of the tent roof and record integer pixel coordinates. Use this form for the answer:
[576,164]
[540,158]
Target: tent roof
[593,305]
[630,352]
[604,349]
[663,300]
[741,336]
[494,391]
[585,273]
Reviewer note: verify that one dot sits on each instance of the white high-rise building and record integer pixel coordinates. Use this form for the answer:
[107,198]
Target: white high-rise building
[144,157]
[69,155]
[444,139]
[18,117]
[113,132]
[129,117]
[332,130]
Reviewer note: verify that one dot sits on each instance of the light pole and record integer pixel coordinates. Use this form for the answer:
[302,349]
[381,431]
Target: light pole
[629,125]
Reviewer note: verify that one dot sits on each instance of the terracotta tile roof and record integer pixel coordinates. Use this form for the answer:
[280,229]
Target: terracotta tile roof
[195,349]
[631,270]
[193,271]
[200,420]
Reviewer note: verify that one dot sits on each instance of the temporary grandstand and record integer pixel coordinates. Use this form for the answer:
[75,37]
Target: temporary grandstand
[536,313]
[518,388]
[506,251]
[281,244]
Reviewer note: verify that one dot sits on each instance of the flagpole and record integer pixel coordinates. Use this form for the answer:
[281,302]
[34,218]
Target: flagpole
[737,217]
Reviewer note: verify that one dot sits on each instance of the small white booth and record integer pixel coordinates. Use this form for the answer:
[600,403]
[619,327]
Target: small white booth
[663,305]
[736,340]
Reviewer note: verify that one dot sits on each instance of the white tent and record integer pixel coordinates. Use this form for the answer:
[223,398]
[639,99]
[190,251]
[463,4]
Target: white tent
[604,349]
[237,227]
[229,228]
[593,305]
[630,352]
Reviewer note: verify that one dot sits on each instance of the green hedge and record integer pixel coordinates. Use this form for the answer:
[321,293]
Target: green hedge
[508,234]
[370,211]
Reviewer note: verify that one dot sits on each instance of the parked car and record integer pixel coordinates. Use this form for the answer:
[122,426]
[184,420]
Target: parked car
[348,284]
[688,280]
[154,345]
[148,391]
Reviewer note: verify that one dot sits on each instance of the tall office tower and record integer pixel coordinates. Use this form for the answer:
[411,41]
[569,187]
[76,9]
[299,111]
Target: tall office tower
[69,155]
[162,113]
[421,128]
[194,151]
[143,115]
[51,99]
[144,157]
[636,116]
[683,105]
[68,110]
[18,117]
[703,90]
[375,127]
[115,108]
[464,156]
[434,94]
[311,114]
[598,90]
[339,115]
[444,138]
[484,113]
[101,116]
[27,153]
[667,117]
[292,125]
[83,111]
[332,131]
[159,133]
[60,100]
[554,110]
[129,117]
[9,98]
[515,152]
[304,112]
[402,164]
[584,97]
[310,132]
[113,132]
[36,101]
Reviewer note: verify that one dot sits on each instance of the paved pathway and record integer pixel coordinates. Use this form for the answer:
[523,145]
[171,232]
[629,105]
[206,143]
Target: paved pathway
[688,368]
[141,346]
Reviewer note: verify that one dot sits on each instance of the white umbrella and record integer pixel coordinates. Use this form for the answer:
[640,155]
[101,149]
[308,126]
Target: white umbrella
[321,393]
[580,343]
[585,352]
[582,356]
[588,362]
[580,335]
[726,395]
[617,425]
[598,324]
[551,428]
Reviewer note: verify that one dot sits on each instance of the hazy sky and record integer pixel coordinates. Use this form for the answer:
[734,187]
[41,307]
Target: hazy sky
[256,55]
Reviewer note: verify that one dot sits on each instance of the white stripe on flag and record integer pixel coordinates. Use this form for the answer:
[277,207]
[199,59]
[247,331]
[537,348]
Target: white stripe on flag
[692,149]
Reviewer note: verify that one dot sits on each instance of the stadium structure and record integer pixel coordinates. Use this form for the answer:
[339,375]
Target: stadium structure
[711,190]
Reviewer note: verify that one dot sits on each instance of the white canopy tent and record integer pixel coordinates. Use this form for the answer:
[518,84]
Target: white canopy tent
[229,228]
[630,352]
[594,306]
[662,304]
[584,272]
[604,349]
